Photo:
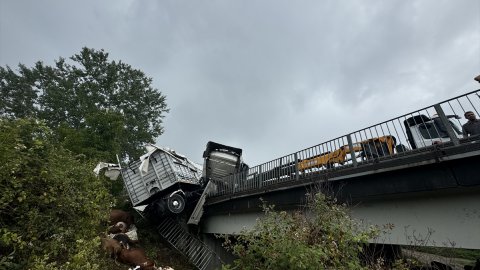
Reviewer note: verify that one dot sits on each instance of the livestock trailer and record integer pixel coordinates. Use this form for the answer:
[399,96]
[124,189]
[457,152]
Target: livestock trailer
[162,178]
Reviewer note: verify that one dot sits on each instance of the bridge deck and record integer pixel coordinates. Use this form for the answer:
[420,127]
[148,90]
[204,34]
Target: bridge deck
[432,188]
[430,194]
[456,163]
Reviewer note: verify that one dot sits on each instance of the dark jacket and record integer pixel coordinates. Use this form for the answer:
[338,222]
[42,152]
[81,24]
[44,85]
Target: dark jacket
[471,128]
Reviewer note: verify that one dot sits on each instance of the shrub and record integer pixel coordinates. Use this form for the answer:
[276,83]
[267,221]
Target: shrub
[51,204]
[322,237]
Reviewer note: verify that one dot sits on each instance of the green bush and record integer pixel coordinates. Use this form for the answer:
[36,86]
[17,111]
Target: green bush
[51,205]
[322,237]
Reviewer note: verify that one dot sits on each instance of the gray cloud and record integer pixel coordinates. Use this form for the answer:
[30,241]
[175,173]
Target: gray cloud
[271,77]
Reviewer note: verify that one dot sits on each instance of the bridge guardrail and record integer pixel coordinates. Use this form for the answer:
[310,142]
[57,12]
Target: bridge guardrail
[417,131]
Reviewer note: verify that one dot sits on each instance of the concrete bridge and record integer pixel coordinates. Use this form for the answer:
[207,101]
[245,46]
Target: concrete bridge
[432,195]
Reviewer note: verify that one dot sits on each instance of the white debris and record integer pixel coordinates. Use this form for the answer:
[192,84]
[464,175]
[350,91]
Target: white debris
[112,172]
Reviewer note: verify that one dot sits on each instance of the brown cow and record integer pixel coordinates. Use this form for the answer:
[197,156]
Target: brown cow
[117,215]
[111,246]
[120,227]
[136,257]
[124,240]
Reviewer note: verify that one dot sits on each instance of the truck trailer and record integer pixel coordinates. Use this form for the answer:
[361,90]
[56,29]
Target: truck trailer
[163,182]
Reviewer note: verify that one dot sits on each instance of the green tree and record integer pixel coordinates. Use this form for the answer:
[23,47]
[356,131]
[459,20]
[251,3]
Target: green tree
[97,107]
[51,204]
[325,238]
[18,92]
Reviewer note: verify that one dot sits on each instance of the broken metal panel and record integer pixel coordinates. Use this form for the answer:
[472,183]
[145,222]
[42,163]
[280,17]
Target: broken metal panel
[198,211]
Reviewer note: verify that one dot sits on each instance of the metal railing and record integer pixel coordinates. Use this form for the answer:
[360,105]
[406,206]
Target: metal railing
[198,253]
[421,130]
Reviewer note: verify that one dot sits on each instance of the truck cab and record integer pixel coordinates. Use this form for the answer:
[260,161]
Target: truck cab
[221,161]
[424,131]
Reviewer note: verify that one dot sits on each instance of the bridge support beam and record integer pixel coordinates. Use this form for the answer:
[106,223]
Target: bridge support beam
[429,219]
[440,218]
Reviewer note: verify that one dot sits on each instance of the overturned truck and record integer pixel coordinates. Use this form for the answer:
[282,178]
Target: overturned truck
[164,182]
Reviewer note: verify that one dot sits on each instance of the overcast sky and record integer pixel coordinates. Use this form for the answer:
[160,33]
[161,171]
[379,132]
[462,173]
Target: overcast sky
[270,77]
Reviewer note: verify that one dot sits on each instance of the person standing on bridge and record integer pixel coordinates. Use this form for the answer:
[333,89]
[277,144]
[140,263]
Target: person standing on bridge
[472,127]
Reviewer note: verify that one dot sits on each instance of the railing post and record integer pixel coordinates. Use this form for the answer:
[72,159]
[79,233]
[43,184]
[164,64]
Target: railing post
[234,183]
[279,169]
[260,182]
[297,176]
[352,152]
[446,124]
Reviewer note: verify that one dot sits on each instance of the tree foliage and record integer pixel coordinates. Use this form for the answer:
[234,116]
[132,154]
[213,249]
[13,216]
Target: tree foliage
[55,122]
[51,204]
[96,106]
[326,238]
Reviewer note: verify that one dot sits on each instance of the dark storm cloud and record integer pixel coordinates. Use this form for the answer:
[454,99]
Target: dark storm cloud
[271,77]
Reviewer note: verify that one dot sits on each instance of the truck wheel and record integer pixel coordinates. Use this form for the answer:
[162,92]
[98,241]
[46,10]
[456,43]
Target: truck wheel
[176,203]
